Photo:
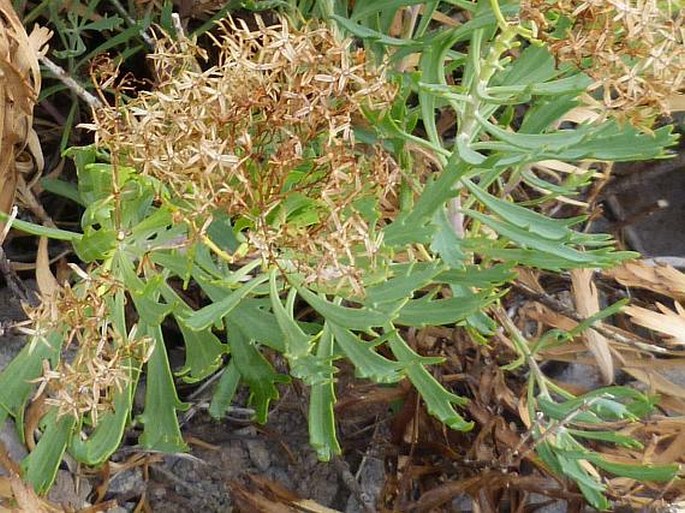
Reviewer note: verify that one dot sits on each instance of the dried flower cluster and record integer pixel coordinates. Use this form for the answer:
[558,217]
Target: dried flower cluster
[633,49]
[96,360]
[266,136]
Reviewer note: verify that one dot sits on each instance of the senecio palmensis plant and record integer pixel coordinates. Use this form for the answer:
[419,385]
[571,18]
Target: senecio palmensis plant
[223,198]
[265,136]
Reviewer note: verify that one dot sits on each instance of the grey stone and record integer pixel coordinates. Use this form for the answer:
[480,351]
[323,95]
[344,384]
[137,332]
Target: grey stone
[10,439]
[259,454]
[66,492]
[127,483]
[371,479]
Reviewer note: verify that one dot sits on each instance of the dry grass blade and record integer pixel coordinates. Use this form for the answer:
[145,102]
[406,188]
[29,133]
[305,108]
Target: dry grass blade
[19,86]
[47,284]
[587,304]
[662,279]
[668,322]
[655,380]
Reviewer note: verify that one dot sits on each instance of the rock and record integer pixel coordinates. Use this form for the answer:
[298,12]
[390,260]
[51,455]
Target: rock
[126,484]
[65,493]
[10,440]
[371,480]
[259,454]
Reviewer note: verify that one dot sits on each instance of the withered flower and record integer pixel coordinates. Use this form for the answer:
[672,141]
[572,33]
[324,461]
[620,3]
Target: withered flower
[266,137]
[96,358]
[633,49]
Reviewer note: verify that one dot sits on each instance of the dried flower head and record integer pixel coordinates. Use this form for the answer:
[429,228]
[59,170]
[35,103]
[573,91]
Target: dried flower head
[97,358]
[266,137]
[633,49]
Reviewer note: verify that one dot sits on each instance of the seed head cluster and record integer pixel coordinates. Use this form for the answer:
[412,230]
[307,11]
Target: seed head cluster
[633,49]
[266,136]
[96,358]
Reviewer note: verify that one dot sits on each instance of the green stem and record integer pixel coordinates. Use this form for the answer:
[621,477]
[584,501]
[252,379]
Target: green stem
[522,348]
[501,22]
[41,231]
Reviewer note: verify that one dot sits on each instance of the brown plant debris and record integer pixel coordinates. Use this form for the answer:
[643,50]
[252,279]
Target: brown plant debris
[20,82]
[587,304]
[632,49]
[662,279]
[666,321]
[266,137]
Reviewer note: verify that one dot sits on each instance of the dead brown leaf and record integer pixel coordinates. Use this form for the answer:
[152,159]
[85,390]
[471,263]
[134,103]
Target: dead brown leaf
[674,451]
[27,500]
[656,381]
[587,304]
[667,322]
[47,284]
[662,279]
[20,82]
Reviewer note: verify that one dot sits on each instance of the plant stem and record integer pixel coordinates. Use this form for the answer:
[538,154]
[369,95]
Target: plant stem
[522,347]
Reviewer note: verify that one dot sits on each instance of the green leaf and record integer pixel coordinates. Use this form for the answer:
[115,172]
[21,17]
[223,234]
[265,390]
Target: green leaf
[257,372]
[638,471]
[204,352]
[225,391]
[533,258]
[298,345]
[406,278]
[254,318]
[321,419]
[607,436]
[62,188]
[623,142]
[535,65]
[436,312]
[96,245]
[40,467]
[562,411]
[534,241]
[545,113]
[439,402]
[144,293]
[370,34]
[161,431]
[478,276]
[17,380]
[362,319]
[591,489]
[105,439]
[413,226]
[608,141]
[446,242]
[367,362]
[221,232]
[213,313]
[529,220]
[40,231]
